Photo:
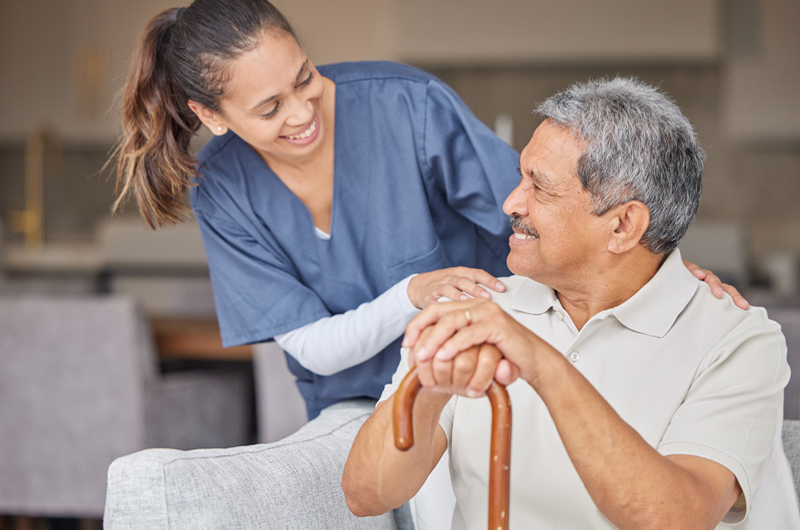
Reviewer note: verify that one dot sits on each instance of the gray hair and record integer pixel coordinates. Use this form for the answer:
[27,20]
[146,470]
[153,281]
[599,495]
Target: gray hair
[640,147]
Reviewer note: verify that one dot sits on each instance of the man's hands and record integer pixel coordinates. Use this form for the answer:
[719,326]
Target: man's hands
[455,283]
[459,347]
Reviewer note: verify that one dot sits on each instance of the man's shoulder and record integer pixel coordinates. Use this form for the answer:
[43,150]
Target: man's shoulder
[721,326]
[725,312]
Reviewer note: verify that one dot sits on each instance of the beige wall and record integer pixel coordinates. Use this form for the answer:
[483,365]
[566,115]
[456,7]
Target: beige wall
[42,40]
[519,31]
[501,55]
[763,83]
[341,30]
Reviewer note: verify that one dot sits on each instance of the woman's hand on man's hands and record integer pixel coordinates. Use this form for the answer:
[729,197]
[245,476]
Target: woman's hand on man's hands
[455,283]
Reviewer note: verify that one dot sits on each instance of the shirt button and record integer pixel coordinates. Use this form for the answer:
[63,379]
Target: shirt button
[574,356]
[559,315]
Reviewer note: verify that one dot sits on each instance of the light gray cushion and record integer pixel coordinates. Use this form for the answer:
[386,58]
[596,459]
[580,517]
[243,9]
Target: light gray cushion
[791,446]
[292,483]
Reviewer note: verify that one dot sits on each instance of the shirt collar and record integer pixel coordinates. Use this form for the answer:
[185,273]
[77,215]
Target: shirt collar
[534,298]
[651,311]
[656,306]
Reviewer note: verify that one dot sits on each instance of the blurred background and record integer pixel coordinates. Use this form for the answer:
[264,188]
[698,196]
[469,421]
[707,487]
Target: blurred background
[733,66]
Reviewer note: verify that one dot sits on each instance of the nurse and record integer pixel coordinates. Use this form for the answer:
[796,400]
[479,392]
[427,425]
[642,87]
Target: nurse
[334,202]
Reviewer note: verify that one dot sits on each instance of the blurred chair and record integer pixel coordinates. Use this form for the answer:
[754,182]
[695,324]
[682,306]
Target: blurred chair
[789,319]
[79,387]
[2,251]
[720,247]
[280,407]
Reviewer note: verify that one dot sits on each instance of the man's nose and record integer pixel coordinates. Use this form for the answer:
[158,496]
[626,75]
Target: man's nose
[515,204]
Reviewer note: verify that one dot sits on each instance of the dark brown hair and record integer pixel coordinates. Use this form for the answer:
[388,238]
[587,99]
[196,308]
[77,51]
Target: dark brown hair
[183,54]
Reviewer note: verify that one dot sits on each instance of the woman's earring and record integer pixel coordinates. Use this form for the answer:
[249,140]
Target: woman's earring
[219,129]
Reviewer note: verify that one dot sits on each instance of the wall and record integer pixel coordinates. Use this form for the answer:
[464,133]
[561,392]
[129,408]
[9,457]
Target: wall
[733,65]
[515,31]
[42,40]
[762,81]
[761,124]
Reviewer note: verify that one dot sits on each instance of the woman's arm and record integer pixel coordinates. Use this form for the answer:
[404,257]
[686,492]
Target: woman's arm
[338,342]
[335,343]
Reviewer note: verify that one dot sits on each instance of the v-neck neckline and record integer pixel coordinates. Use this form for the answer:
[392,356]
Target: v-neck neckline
[312,227]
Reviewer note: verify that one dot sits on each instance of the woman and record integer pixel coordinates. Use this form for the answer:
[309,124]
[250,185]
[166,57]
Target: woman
[333,202]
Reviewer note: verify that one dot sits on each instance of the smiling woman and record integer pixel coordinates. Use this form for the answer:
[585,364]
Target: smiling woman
[334,201]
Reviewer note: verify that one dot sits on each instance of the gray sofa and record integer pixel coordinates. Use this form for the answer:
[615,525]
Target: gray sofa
[290,484]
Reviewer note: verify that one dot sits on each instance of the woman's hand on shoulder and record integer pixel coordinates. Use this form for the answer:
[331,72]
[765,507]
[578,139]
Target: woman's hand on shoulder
[717,287]
[455,283]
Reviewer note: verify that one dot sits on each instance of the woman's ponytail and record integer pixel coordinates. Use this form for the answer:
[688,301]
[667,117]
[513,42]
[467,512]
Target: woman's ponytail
[154,164]
[182,55]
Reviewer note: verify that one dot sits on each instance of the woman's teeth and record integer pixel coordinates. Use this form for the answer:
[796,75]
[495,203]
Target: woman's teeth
[305,134]
[523,236]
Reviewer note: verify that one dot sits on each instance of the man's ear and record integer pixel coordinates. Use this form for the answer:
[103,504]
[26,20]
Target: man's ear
[628,223]
[209,118]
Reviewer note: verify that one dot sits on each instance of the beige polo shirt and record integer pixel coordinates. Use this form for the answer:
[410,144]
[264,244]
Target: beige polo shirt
[691,373]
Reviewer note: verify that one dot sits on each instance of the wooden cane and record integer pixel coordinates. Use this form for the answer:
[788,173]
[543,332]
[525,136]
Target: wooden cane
[500,459]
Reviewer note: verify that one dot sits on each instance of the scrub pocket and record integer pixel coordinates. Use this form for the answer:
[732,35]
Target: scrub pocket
[430,261]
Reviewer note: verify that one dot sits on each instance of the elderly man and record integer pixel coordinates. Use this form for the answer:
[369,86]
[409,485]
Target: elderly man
[640,400]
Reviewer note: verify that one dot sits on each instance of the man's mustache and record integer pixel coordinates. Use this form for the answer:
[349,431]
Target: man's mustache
[515,223]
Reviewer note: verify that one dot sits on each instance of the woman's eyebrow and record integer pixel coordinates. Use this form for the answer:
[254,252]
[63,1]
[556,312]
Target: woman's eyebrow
[271,98]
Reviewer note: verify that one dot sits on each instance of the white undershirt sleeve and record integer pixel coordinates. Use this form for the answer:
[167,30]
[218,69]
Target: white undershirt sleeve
[335,343]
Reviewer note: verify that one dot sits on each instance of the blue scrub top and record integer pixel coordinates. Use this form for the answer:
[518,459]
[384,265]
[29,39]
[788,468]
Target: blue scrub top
[419,185]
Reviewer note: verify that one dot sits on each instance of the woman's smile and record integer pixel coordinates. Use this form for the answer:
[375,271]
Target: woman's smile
[304,137]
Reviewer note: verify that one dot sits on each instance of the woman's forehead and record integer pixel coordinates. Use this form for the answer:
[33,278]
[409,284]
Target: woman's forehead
[270,69]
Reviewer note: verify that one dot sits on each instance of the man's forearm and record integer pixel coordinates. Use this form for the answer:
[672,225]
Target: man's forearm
[377,476]
[632,484]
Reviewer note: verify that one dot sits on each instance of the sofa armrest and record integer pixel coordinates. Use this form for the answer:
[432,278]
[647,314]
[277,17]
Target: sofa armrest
[291,483]
[791,446]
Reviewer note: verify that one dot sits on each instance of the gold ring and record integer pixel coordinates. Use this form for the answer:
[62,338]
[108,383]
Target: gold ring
[469,316]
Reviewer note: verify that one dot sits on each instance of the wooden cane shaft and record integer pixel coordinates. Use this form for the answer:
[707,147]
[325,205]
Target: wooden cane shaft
[500,457]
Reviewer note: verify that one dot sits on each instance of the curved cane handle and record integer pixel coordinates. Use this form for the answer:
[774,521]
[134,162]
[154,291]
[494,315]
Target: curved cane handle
[500,461]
